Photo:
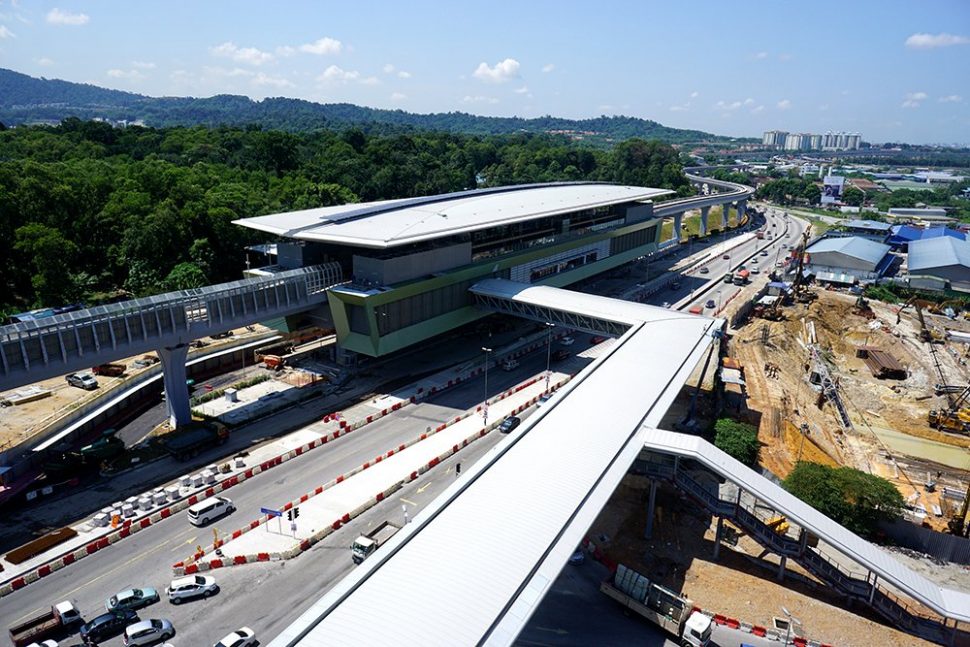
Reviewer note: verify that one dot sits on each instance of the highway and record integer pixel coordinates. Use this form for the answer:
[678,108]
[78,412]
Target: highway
[145,558]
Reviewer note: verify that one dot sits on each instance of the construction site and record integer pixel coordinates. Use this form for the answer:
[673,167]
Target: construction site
[831,377]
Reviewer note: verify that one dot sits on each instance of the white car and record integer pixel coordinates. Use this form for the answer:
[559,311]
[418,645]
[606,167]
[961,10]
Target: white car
[148,632]
[242,637]
[193,586]
[567,341]
[46,643]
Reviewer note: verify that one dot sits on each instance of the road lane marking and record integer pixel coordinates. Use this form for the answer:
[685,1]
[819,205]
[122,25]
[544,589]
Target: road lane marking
[423,488]
[117,568]
[182,545]
[408,502]
[27,615]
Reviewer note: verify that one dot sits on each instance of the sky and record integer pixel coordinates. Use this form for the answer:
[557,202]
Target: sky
[892,70]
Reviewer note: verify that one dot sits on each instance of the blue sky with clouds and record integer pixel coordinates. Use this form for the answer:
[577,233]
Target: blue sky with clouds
[893,70]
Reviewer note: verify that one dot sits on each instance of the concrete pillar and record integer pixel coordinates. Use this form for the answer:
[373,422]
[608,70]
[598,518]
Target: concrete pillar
[651,504]
[717,537]
[742,206]
[176,391]
[781,568]
[704,212]
[678,221]
[872,591]
[725,212]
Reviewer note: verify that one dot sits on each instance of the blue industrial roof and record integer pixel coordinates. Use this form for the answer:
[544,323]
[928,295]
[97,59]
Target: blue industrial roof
[853,246]
[872,225]
[938,252]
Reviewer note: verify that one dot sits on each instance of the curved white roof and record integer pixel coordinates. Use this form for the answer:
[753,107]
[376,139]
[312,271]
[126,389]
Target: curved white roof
[390,223]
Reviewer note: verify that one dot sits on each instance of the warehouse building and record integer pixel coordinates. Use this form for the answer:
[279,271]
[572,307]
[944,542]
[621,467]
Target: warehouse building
[848,260]
[944,258]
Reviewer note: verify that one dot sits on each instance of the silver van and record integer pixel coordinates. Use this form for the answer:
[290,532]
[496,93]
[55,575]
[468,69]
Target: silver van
[205,511]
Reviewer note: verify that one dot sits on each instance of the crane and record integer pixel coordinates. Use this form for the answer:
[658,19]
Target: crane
[800,291]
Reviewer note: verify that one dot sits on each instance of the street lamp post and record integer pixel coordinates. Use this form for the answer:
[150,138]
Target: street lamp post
[549,327]
[485,405]
[718,292]
[791,619]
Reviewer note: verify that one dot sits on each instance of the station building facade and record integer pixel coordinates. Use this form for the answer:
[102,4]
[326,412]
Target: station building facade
[410,262]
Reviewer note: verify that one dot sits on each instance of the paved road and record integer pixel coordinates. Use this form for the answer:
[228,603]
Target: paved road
[145,558]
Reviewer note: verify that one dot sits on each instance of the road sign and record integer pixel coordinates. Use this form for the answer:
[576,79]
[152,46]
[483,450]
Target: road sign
[271,512]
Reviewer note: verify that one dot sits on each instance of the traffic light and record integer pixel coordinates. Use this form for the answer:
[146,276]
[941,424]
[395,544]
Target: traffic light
[296,513]
[289,515]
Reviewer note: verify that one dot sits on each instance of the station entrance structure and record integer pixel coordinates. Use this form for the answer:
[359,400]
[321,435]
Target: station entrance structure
[474,566]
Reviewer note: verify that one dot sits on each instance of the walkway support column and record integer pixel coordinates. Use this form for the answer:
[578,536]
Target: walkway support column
[651,504]
[742,207]
[725,212]
[703,229]
[781,568]
[176,391]
[717,537]
[678,221]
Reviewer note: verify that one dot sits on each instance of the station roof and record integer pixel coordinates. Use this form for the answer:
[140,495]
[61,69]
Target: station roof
[390,223]
[870,225]
[854,246]
[941,251]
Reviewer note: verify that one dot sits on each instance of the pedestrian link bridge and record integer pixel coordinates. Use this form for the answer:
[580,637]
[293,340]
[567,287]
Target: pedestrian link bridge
[474,566]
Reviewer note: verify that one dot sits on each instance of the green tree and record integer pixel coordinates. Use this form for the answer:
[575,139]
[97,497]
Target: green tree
[49,254]
[185,276]
[856,500]
[737,439]
[853,196]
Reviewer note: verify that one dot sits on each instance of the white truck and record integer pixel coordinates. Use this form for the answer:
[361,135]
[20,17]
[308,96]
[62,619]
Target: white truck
[366,544]
[55,621]
[510,364]
[661,606]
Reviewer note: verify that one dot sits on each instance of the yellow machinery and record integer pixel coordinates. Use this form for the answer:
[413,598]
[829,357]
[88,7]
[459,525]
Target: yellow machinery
[926,333]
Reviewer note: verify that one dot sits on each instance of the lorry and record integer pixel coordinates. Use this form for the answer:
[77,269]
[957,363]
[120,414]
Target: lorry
[109,370]
[55,621]
[89,458]
[366,544]
[741,278]
[510,364]
[187,441]
[673,613]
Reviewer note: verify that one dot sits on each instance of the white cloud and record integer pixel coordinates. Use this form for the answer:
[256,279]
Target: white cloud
[679,108]
[913,99]
[727,106]
[57,17]
[749,101]
[761,56]
[823,107]
[388,68]
[930,41]
[6,33]
[262,79]
[370,80]
[757,110]
[524,89]
[479,99]
[952,98]
[398,96]
[248,55]
[403,75]
[500,73]
[336,74]
[45,61]
[285,50]
[130,75]
[784,104]
[323,46]
[143,65]
[548,67]
[694,94]
[784,57]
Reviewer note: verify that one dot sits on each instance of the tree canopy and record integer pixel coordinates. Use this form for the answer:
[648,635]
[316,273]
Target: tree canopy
[88,209]
[857,500]
[737,439]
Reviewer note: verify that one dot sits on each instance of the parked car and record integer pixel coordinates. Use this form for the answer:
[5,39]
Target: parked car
[193,586]
[46,643]
[107,625]
[597,339]
[545,397]
[509,424]
[710,304]
[131,599]
[567,341]
[705,270]
[666,304]
[578,557]
[726,257]
[148,632]
[560,355]
[84,381]
[242,637]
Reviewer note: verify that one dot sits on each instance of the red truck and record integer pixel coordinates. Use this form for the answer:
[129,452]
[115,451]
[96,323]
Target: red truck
[109,370]
[54,621]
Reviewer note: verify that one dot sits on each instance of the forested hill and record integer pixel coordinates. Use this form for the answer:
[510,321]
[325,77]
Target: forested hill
[25,99]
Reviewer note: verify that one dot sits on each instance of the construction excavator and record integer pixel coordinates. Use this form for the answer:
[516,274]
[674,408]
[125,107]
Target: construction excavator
[958,522]
[800,291]
[956,417]
[926,333]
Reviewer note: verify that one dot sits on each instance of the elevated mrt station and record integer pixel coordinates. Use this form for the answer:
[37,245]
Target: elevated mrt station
[411,262]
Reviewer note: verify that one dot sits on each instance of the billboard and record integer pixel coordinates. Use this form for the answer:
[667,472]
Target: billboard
[832,189]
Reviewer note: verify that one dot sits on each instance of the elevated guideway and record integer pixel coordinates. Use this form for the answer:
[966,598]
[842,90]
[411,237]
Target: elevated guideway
[166,323]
